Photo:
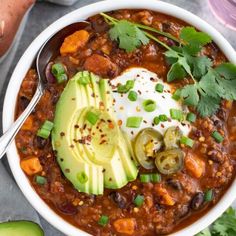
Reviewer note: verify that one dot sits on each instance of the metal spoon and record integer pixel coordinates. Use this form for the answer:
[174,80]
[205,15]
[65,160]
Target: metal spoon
[45,54]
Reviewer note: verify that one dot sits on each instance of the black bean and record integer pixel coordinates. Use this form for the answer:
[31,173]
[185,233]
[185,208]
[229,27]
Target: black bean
[40,142]
[174,183]
[118,199]
[197,201]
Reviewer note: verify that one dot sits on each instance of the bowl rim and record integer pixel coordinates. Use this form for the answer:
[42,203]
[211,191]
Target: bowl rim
[24,64]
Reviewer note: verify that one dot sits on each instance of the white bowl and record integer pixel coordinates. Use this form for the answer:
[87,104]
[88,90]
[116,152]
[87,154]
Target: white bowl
[25,63]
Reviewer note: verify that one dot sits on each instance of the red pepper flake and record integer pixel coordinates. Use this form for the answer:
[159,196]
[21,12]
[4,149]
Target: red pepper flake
[76,126]
[85,125]
[102,142]
[101,106]
[138,75]
[110,179]
[108,92]
[132,132]
[62,134]
[139,92]
[75,140]
[111,125]
[100,130]
[121,108]
[81,141]
[168,119]
[168,91]
[103,135]
[102,120]
[153,79]
[119,123]
[67,170]
[162,126]
[163,96]
[61,159]
[103,170]
[93,95]
[72,146]
[89,138]
[73,99]
[144,121]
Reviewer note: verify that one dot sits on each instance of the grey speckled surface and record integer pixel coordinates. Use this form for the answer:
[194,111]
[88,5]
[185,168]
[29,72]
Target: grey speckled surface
[44,14]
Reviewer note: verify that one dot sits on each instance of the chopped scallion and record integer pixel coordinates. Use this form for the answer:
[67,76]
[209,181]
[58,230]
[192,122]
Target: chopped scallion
[208,196]
[155,178]
[125,88]
[159,88]
[103,220]
[134,121]
[217,136]
[176,96]
[138,201]
[92,117]
[149,105]
[132,96]
[156,120]
[45,129]
[191,117]
[176,114]
[145,178]
[40,180]
[83,77]
[187,141]
[163,117]
[58,69]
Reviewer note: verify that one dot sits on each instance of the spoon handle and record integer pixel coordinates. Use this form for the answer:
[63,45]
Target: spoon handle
[10,134]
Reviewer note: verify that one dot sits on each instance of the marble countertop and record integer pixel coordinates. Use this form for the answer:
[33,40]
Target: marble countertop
[43,14]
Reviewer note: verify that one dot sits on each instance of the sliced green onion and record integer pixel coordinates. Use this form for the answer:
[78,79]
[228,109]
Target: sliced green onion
[155,178]
[82,177]
[138,201]
[156,120]
[208,196]
[176,114]
[40,180]
[47,125]
[177,95]
[163,117]
[125,88]
[134,121]
[43,133]
[132,96]
[61,78]
[159,88]
[45,129]
[145,178]
[217,136]
[83,77]
[58,69]
[149,105]
[92,117]
[187,141]
[191,117]
[103,220]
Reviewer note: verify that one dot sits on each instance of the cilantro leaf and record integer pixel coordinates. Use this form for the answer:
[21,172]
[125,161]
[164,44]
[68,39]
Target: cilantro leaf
[128,35]
[176,72]
[199,65]
[208,85]
[227,70]
[205,232]
[190,95]
[190,36]
[208,105]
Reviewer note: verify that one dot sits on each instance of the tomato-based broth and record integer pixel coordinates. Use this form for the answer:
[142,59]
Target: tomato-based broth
[156,198]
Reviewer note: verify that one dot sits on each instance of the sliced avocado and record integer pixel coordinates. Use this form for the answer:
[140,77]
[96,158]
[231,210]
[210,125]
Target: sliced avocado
[104,151]
[73,165]
[20,228]
[88,161]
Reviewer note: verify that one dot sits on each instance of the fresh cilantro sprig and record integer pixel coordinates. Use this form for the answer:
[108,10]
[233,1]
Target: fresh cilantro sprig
[132,35]
[207,86]
[223,226]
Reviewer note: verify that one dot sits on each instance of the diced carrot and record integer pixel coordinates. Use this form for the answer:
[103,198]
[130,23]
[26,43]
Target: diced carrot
[28,125]
[31,165]
[194,165]
[125,225]
[74,41]
[165,197]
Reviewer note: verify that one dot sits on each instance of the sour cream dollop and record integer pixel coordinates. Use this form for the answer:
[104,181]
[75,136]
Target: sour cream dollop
[145,82]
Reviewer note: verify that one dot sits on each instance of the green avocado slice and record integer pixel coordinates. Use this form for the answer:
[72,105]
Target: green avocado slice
[20,228]
[87,161]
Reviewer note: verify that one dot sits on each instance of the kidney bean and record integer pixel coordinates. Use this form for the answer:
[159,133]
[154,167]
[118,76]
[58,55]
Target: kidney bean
[197,201]
[67,208]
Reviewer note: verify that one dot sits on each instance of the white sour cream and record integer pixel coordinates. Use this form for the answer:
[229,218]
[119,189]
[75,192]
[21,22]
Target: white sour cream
[145,82]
